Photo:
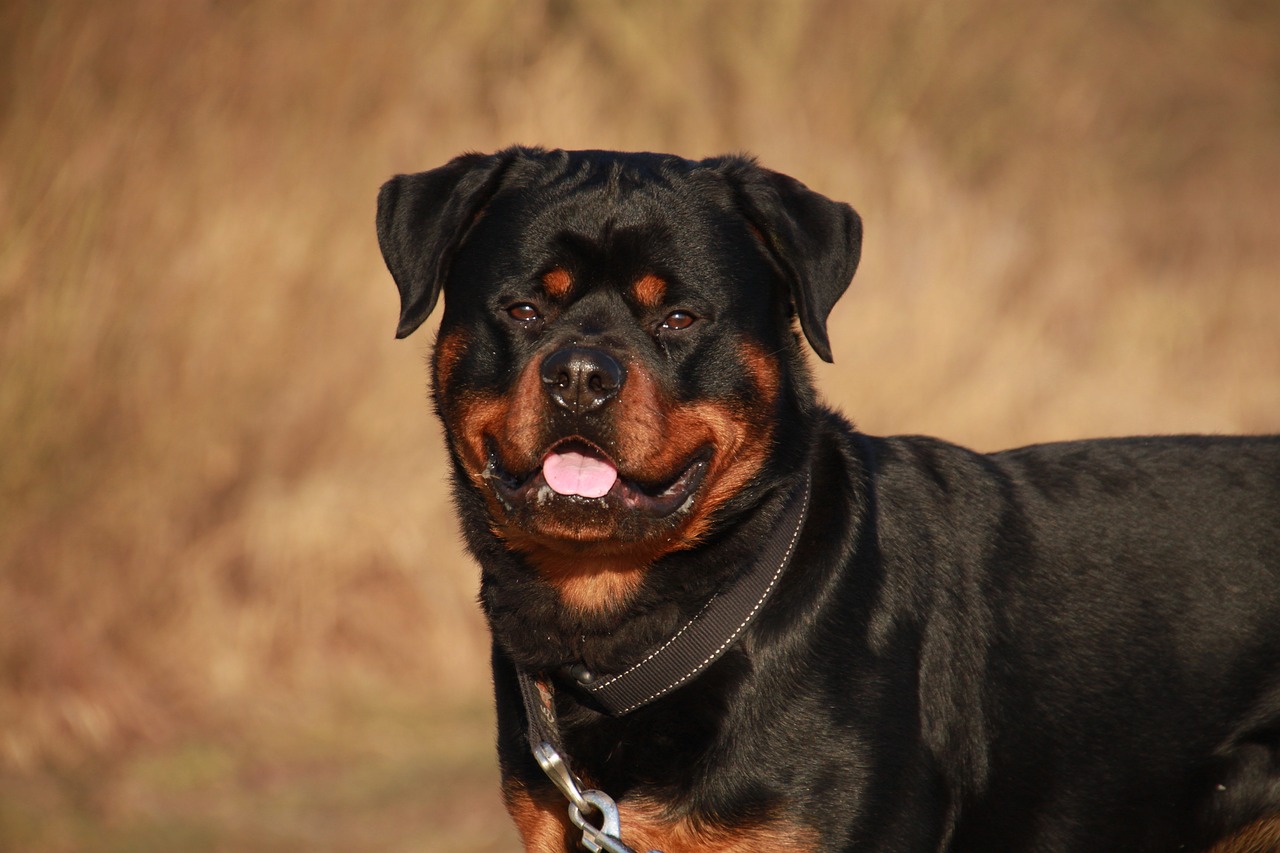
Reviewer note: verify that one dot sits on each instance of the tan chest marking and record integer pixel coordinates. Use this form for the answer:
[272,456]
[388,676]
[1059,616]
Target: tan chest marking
[544,827]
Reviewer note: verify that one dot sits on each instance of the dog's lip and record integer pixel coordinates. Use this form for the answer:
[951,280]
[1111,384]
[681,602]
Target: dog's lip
[655,500]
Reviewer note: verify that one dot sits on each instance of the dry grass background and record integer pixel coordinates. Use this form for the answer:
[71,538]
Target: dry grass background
[233,613]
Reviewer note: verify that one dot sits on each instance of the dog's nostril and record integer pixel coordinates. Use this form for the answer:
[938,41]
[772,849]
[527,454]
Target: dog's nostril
[581,379]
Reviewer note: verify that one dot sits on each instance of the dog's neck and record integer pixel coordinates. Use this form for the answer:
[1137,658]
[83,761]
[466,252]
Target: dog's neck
[704,637]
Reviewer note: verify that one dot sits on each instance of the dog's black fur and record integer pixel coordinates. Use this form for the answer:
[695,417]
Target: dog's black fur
[1066,647]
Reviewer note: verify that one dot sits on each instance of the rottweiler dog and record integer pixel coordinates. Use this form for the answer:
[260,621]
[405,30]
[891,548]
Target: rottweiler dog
[746,626]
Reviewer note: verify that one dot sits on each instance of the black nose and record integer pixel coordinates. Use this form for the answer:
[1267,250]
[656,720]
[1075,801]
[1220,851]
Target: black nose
[581,379]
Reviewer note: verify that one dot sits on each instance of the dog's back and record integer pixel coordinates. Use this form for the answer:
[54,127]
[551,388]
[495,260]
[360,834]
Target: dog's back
[1108,617]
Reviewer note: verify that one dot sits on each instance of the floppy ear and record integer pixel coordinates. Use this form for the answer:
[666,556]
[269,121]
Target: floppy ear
[423,218]
[815,241]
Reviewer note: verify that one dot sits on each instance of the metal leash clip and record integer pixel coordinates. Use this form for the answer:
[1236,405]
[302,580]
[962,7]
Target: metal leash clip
[605,838]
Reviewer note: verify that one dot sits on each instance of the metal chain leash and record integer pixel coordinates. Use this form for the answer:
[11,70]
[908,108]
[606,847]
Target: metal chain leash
[605,838]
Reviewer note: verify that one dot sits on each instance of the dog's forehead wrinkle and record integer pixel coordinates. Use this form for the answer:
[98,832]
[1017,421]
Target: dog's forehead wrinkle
[616,261]
[592,230]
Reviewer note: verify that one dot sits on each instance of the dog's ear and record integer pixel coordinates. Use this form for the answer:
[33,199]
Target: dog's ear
[815,241]
[423,218]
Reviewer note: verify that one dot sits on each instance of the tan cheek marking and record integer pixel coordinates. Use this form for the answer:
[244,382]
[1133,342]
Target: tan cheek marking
[650,291]
[450,348]
[642,429]
[524,425]
[471,418]
[557,282]
[765,372]
[741,449]
[753,430]
[513,419]
[664,435]
[1260,837]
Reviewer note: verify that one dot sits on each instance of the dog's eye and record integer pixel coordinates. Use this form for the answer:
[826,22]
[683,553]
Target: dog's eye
[523,311]
[678,320]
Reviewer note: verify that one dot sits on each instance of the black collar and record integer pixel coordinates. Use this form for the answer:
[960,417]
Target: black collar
[698,644]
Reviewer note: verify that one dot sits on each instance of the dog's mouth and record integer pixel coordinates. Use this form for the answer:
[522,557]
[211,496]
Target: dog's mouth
[574,472]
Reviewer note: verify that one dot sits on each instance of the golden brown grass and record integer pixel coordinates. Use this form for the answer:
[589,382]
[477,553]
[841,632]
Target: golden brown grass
[223,521]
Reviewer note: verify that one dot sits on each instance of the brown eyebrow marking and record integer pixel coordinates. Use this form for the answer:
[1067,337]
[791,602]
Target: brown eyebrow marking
[650,291]
[558,282]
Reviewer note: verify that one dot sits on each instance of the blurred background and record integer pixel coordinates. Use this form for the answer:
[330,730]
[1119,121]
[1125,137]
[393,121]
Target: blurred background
[234,614]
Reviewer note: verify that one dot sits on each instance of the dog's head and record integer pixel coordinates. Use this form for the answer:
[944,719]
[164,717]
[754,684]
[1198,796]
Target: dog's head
[616,353]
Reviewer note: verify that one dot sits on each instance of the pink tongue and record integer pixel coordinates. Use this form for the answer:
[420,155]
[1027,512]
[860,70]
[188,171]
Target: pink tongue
[571,473]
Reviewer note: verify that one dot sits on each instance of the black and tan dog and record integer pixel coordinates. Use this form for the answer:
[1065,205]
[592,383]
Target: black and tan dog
[885,644]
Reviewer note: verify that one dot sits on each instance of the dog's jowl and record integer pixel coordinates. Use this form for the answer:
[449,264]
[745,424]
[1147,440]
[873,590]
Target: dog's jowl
[725,620]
